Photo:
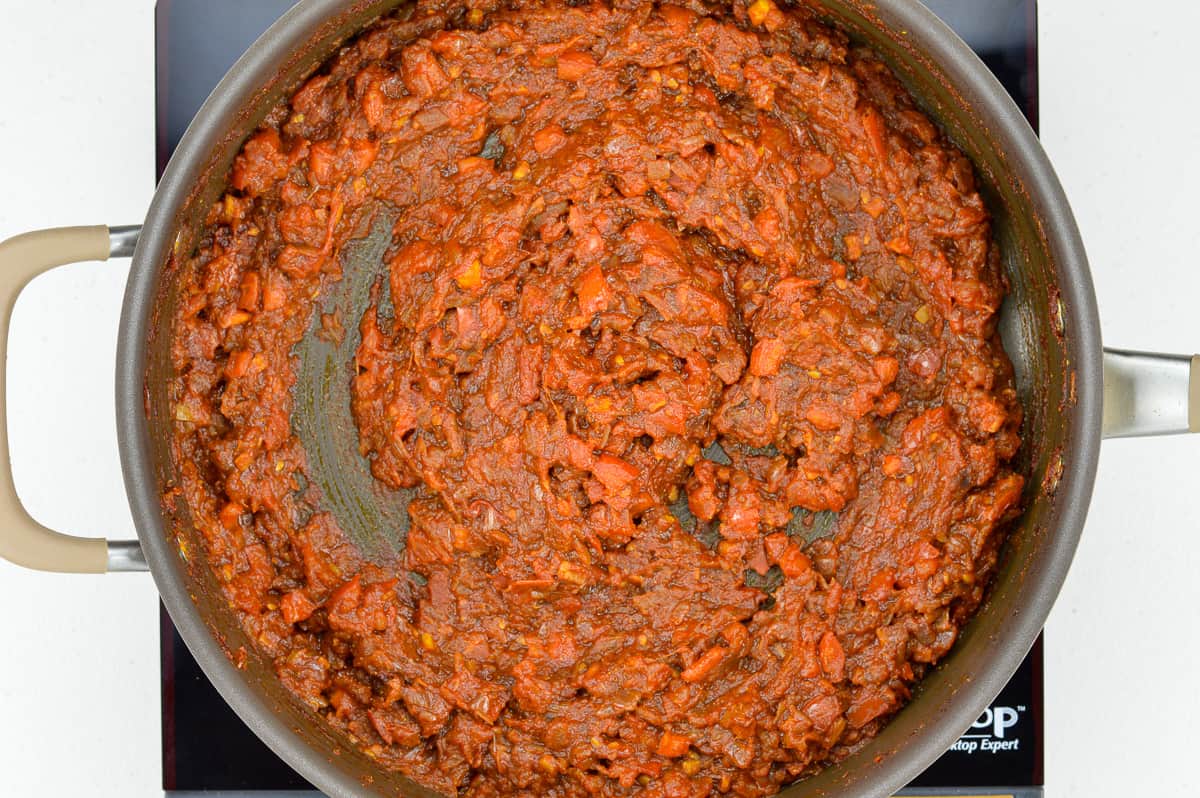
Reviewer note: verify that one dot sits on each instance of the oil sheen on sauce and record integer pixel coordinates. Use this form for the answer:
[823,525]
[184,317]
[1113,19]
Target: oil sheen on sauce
[686,342]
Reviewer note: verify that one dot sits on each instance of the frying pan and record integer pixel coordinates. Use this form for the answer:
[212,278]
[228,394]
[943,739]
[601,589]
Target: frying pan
[1074,393]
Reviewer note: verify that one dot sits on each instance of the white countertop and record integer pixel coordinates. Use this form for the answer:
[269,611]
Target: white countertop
[79,679]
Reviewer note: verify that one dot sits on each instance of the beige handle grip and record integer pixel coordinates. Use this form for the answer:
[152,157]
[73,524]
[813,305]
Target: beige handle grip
[23,540]
[1194,395]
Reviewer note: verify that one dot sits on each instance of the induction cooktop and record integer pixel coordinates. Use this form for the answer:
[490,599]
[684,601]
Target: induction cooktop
[207,748]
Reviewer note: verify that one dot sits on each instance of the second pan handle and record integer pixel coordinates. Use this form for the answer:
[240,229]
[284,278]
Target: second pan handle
[1150,394]
[23,540]
[1144,394]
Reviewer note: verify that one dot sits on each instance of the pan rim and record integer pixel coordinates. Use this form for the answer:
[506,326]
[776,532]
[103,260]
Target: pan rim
[1006,125]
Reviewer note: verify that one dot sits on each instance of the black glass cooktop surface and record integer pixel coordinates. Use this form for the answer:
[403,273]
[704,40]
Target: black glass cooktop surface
[207,748]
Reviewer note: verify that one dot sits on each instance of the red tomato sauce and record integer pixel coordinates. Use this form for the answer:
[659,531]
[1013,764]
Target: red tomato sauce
[686,341]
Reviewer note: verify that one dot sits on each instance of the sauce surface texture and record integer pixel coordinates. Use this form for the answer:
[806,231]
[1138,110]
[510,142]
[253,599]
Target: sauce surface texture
[685,341]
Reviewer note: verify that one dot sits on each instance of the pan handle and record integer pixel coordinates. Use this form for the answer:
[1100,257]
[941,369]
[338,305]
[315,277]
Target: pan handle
[1150,394]
[1144,394]
[23,540]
